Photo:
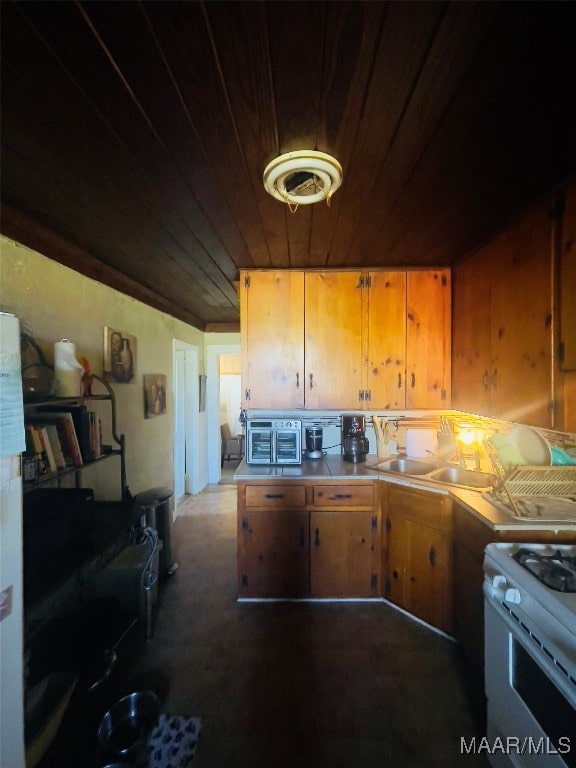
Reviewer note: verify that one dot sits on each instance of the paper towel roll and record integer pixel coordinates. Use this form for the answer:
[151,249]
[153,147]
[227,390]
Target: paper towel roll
[67,369]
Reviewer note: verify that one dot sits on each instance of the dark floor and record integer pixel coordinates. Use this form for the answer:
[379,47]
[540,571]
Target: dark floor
[325,685]
[297,684]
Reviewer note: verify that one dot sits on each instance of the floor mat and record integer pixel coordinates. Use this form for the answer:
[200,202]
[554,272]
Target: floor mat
[172,743]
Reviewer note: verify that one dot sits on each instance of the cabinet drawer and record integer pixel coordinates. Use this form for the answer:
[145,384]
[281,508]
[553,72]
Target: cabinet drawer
[275,496]
[422,508]
[344,495]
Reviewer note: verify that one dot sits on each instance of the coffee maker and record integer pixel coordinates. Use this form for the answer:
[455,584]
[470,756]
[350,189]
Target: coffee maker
[354,440]
[313,438]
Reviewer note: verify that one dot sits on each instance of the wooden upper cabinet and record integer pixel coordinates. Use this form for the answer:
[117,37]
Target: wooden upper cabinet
[386,368]
[345,340]
[428,306]
[333,339]
[272,339]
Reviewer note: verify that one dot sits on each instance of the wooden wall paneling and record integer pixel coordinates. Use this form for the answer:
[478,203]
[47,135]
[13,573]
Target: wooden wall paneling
[521,317]
[402,46]
[129,190]
[443,67]
[386,362]
[471,336]
[243,92]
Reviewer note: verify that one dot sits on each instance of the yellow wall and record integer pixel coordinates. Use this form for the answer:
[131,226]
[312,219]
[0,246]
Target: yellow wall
[56,302]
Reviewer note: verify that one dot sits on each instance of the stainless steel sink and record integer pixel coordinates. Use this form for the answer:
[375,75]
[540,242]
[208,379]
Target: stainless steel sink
[406,467]
[450,475]
[464,478]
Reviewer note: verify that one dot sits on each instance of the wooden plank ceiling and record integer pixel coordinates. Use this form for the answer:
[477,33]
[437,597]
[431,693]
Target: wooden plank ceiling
[135,134]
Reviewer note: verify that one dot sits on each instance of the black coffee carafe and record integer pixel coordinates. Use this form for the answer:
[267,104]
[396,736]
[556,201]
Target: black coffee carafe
[354,440]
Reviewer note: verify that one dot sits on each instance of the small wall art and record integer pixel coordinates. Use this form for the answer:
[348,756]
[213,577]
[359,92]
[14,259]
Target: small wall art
[154,395]
[119,356]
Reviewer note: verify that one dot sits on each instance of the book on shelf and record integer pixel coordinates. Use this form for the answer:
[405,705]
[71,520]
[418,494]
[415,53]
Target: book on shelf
[36,444]
[81,420]
[64,424]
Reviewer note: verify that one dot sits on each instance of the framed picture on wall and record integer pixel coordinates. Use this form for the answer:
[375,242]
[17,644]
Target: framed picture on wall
[154,395]
[119,356]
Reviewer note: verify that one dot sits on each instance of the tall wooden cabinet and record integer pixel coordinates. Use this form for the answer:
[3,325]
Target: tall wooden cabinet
[345,339]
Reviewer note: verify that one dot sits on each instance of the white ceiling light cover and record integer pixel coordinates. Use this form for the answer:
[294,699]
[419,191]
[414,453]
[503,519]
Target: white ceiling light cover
[303,177]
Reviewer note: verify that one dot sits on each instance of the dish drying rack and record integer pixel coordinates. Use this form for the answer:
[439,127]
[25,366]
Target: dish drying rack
[533,482]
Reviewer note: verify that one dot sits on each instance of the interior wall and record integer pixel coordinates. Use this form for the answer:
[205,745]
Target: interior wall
[55,302]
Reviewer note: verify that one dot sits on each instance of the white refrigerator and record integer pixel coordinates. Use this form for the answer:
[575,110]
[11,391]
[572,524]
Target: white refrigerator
[12,443]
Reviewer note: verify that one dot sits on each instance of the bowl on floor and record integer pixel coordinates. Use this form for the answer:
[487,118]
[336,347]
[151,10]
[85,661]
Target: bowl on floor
[126,727]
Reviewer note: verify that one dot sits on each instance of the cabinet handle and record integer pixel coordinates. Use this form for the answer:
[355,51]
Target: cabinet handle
[317,537]
[394,574]
[495,378]
[311,380]
[340,496]
[399,381]
[432,556]
[297,380]
[413,380]
[486,380]
[274,496]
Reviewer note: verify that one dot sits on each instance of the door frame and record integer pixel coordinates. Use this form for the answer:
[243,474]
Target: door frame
[213,352]
[188,402]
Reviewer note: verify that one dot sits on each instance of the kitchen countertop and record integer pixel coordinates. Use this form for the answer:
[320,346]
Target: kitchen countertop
[333,467]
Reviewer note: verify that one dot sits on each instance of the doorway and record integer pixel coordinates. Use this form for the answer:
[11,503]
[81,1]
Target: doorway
[187,475]
[213,354]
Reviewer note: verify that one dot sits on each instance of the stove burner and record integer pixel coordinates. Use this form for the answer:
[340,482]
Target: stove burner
[557,571]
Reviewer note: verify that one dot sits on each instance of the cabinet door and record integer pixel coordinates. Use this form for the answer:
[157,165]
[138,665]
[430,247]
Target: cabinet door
[344,554]
[429,580]
[471,364]
[397,560]
[272,338]
[386,369]
[428,339]
[334,360]
[274,556]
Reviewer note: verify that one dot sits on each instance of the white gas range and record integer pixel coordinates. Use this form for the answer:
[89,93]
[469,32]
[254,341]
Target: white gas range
[530,654]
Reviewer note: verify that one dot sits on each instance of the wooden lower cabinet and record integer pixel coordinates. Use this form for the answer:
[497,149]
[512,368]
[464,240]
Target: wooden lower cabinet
[344,554]
[275,553]
[417,553]
[307,539]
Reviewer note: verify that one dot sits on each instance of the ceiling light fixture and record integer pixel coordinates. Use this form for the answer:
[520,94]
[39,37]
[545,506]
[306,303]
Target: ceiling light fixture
[303,177]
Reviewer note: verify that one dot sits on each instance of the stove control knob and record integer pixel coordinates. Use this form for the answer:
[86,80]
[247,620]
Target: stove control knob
[498,586]
[512,596]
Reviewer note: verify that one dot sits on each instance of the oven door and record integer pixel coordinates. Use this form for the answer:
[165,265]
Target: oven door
[260,446]
[288,446]
[531,709]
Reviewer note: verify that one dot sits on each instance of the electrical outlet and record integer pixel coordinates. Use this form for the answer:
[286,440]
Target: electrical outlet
[5,602]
